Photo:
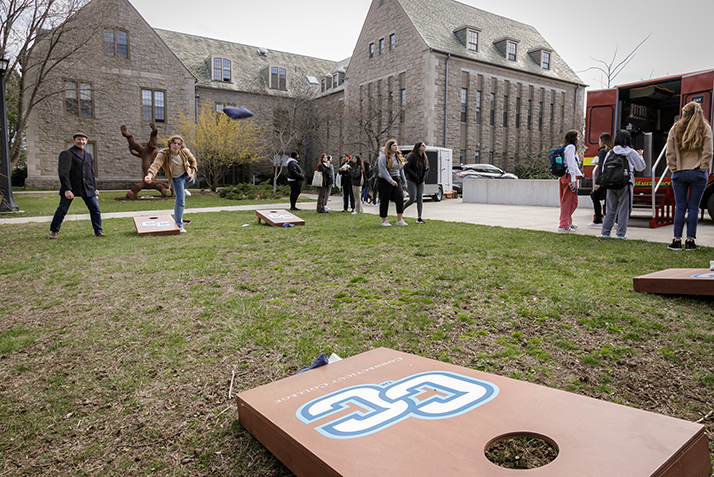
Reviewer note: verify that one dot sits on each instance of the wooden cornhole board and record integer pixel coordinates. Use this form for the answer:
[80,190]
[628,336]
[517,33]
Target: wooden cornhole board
[156,225]
[276,218]
[387,413]
[677,281]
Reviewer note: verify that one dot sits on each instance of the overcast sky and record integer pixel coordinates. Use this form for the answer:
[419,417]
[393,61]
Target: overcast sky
[329,29]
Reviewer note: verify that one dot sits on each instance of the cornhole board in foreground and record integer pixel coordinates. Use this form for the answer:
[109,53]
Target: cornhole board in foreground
[156,225]
[677,281]
[276,218]
[387,413]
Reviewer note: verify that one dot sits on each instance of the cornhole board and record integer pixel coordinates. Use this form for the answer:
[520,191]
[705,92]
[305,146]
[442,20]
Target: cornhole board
[276,218]
[384,412]
[155,225]
[677,281]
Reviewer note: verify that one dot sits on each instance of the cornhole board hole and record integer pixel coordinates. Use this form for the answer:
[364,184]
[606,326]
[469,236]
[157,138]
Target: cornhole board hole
[276,218]
[156,225]
[677,281]
[384,412]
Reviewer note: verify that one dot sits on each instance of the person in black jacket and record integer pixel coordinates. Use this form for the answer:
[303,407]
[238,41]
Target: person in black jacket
[348,198]
[598,193]
[415,169]
[76,175]
[357,176]
[295,178]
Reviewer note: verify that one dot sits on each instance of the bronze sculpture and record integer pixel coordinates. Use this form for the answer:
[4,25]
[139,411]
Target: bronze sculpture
[146,154]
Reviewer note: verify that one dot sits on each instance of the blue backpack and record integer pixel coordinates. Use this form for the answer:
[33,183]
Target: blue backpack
[557,165]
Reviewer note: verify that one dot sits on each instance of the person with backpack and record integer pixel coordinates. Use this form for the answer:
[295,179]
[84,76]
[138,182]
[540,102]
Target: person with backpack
[617,176]
[689,153]
[598,193]
[568,183]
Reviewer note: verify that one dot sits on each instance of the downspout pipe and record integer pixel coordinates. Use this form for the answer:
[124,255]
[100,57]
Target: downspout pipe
[446,95]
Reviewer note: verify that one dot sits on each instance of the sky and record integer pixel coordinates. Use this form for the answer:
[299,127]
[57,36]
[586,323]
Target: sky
[329,29]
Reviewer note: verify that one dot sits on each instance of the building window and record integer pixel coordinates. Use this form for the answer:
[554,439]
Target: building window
[78,99]
[478,107]
[464,102]
[472,40]
[381,46]
[371,50]
[492,119]
[540,117]
[116,43]
[323,85]
[518,113]
[334,80]
[153,105]
[462,157]
[402,104]
[278,79]
[328,82]
[340,78]
[545,60]
[511,50]
[221,69]
[505,111]
[392,41]
[530,113]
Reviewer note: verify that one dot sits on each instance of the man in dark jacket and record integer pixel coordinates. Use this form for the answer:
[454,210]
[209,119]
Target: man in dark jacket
[348,197]
[76,175]
[295,178]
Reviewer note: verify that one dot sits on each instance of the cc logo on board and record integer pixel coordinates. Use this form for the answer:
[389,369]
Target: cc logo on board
[431,395]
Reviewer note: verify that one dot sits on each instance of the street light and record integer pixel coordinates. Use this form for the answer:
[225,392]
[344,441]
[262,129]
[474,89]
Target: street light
[8,203]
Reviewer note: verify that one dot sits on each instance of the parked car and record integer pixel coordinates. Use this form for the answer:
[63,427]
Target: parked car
[478,171]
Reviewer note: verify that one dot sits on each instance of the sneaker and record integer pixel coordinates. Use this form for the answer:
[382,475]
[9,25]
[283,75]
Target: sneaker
[187,193]
[355,213]
[689,245]
[562,230]
[573,227]
[182,230]
[401,223]
[606,236]
[595,224]
[622,237]
[386,224]
[675,245]
[420,221]
[53,235]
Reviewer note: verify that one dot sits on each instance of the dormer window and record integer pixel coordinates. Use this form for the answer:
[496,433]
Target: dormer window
[221,69]
[541,56]
[468,37]
[508,47]
[278,78]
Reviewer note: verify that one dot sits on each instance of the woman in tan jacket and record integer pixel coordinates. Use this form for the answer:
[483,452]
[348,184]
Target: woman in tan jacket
[689,152]
[180,167]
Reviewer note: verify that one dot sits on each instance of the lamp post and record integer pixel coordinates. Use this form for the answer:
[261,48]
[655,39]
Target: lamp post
[8,203]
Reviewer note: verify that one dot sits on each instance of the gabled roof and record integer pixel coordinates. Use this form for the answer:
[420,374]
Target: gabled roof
[249,68]
[436,21]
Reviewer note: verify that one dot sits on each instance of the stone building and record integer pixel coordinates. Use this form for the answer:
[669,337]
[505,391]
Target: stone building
[490,88]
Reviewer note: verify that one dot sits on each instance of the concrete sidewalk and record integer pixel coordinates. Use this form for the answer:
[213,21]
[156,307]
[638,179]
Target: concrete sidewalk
[451,210]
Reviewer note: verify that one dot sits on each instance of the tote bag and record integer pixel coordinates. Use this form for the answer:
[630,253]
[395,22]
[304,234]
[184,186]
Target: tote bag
[317,179]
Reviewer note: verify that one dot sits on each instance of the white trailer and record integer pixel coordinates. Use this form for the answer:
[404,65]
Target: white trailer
[439,179]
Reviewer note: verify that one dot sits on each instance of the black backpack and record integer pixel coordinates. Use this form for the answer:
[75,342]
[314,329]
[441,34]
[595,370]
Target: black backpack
[557,165]
[615,173]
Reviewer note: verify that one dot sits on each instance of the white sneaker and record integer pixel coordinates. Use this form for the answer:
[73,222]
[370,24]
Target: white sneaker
[401,223]
[187,193]
[573,226]
[565,231]
[595,225]
[182,230]
[386,224]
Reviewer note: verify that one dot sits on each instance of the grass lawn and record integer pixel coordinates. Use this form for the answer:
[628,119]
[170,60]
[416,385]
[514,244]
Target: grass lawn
[117,353]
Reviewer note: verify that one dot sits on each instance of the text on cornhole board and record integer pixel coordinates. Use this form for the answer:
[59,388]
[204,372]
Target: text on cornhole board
[156,225]
[385,412]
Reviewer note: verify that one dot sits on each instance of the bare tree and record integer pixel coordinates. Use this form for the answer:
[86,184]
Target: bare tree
[372,122]
[612,69]
[38,36]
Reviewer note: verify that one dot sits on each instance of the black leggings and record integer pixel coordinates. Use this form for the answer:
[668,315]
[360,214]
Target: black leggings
[388,192]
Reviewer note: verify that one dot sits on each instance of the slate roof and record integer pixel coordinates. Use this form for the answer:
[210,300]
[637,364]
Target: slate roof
[249,69]
[436,21]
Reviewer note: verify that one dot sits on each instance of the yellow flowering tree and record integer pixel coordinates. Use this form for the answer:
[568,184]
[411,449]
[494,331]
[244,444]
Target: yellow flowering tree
[219,142]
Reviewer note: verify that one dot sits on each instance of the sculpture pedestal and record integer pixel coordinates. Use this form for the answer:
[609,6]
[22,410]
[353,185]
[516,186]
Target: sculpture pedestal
[155,225]
[390,413]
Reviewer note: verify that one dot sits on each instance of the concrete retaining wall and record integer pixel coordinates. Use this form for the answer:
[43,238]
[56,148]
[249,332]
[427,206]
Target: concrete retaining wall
[540,192]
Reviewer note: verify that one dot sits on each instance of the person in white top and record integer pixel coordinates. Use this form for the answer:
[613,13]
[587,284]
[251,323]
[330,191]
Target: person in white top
[568,183]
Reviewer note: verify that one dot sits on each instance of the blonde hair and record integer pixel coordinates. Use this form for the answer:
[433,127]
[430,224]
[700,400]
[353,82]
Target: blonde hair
[689,130]
[388,154]
[173,138]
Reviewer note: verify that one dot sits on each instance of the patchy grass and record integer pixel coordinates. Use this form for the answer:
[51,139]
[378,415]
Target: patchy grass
[117,353]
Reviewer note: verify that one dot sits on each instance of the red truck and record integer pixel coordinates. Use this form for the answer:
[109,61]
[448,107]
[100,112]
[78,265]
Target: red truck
[648,109]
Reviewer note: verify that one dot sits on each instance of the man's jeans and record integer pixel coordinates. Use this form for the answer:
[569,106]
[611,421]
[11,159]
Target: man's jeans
[92,205]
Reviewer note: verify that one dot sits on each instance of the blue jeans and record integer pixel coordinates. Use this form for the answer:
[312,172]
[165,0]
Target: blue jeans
[63,207]
[178,184]
[688,190]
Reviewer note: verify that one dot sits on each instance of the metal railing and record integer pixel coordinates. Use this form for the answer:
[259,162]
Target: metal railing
[655,188]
